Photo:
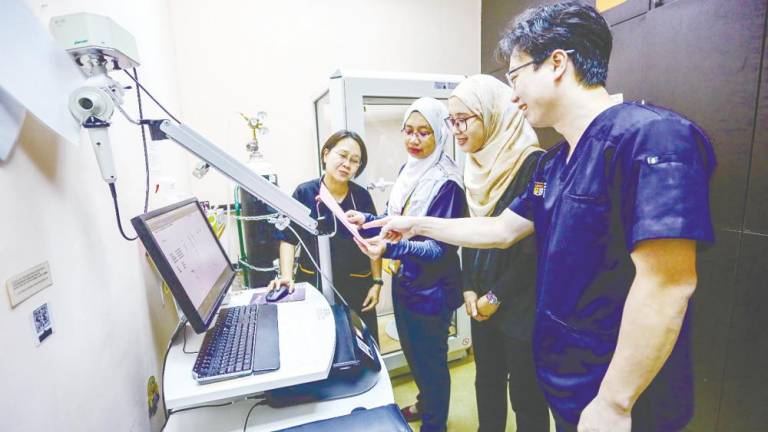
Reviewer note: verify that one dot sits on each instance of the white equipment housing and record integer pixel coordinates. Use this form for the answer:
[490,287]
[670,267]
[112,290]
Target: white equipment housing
[84,34]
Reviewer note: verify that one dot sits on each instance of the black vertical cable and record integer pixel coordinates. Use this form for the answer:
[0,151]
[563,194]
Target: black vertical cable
[143,140]
[152,97]
[113,191]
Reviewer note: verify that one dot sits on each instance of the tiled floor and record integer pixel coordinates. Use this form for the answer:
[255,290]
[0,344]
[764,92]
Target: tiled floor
[386,343]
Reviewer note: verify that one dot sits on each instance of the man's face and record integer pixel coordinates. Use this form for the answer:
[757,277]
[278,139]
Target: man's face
[533,88]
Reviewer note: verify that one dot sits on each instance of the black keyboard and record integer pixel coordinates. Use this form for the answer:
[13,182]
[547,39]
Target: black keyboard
[233,347]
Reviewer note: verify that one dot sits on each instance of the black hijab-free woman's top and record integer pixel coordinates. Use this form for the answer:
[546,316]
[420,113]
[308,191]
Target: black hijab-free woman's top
[346,257]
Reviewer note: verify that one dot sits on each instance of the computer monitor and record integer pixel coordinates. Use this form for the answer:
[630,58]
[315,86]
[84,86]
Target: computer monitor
[189,257]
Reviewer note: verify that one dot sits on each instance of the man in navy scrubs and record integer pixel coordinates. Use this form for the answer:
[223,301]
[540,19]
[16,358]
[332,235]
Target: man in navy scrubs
[617,210]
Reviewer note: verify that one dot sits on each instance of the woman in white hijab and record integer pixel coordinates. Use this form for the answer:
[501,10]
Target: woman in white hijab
[426,286]
[499,284]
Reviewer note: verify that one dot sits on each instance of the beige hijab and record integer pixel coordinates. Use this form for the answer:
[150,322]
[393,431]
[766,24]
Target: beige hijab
[509,139]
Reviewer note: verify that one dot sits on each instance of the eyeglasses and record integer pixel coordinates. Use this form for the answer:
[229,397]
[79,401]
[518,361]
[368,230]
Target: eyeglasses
[352,159]
[420,134]
[511,79]
[459,123]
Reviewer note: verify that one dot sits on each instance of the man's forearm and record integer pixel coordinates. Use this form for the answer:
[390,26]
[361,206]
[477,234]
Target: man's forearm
[476,232]
[653,315]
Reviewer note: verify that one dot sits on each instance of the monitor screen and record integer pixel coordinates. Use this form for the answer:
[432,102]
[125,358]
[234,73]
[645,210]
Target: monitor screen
[189,257]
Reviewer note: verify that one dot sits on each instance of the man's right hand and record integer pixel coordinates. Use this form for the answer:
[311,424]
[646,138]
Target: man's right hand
[274,283]
[395,228]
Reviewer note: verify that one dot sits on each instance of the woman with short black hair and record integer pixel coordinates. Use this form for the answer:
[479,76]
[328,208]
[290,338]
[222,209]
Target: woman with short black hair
[356,277]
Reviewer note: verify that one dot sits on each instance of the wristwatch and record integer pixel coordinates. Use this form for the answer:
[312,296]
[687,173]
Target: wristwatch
[492,299]
[377,281]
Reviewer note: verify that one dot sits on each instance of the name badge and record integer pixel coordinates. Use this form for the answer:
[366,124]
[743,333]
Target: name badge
[539,188]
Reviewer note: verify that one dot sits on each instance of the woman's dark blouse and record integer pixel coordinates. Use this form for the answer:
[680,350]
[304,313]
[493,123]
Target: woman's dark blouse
[510,273]
[346,258]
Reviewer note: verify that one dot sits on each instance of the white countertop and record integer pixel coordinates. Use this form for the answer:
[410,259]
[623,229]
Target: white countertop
[307,342]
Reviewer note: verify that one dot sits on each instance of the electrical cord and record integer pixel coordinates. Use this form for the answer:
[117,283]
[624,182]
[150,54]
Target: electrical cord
[184,347]
[113,191]
[112,187]
[143,140]
[317,267]
[245,425]
[190,409]
[167,412]
[152,97]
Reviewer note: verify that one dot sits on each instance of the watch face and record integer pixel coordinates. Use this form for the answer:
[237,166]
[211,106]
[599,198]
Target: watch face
[492,299]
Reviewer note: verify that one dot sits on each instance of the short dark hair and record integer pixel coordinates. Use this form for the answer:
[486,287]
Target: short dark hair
[334,139]
[568,25]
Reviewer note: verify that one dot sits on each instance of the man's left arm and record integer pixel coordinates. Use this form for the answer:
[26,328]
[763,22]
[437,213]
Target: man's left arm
[653,315]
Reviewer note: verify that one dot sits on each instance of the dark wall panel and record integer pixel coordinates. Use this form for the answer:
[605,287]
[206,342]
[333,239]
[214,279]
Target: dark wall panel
[712,308]
[495,15]
[745,394]
[756,218]
[703,61]
[626,70]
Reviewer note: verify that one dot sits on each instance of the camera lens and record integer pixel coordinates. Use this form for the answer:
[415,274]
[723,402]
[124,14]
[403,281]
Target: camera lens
[85,103]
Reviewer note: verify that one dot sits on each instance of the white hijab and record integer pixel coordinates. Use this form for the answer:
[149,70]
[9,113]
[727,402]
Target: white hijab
[435,112]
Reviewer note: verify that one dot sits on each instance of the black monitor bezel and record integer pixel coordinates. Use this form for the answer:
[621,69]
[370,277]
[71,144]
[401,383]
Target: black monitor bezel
[199,323]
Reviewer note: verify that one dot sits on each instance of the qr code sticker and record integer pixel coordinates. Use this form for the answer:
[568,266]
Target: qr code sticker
[41,319]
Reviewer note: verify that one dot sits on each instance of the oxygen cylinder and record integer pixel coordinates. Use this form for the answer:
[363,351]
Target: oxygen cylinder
[259,249]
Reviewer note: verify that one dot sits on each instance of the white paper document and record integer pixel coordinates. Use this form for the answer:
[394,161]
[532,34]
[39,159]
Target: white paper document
[37,74]
[11,119]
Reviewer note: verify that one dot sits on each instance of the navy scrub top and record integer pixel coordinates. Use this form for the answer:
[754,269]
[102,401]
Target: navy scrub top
[638,172]
[429,280]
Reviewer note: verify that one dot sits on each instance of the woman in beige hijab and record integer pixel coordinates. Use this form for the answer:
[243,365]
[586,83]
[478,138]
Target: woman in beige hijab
[499,285]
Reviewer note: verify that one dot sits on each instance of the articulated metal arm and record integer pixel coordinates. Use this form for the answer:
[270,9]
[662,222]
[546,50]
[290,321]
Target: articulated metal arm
[235,170]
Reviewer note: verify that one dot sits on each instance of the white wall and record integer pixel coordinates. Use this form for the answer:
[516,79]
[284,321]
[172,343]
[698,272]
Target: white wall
[277,56]
[206,61]
[110,327]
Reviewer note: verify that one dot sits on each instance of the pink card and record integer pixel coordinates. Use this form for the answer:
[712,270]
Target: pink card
[330,202]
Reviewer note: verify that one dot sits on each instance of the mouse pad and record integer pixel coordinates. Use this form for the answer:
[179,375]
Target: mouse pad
[259,297]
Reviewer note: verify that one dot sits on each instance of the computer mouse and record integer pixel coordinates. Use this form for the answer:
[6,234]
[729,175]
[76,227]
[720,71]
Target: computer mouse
[278,293]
